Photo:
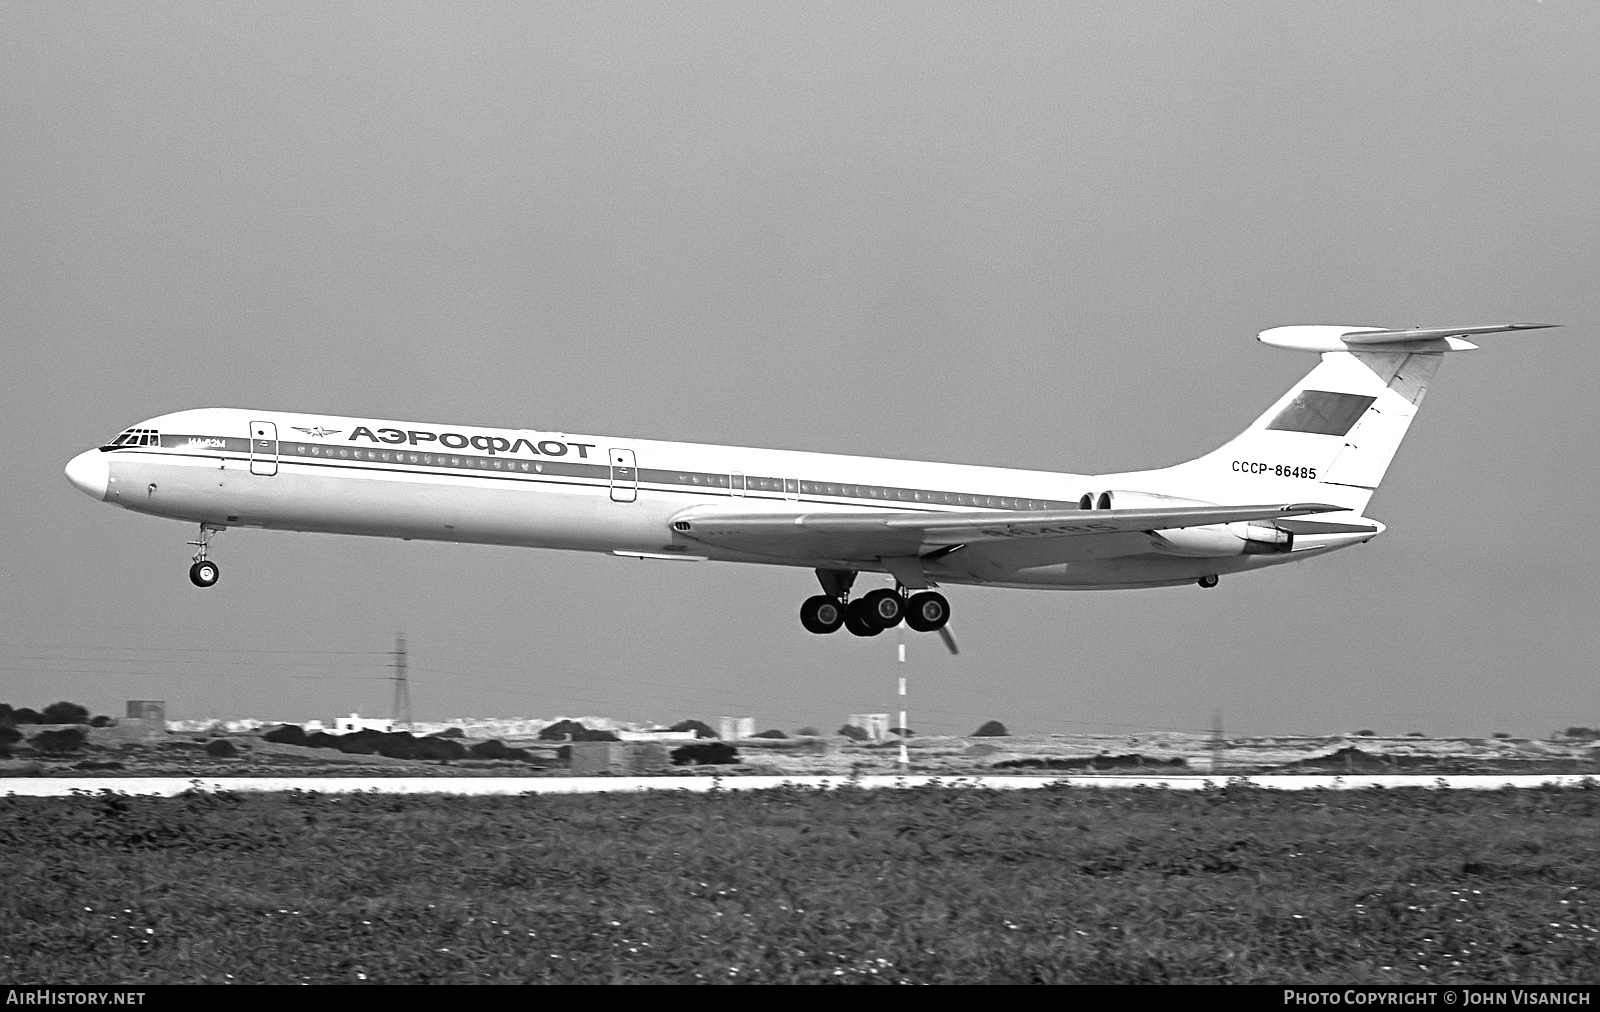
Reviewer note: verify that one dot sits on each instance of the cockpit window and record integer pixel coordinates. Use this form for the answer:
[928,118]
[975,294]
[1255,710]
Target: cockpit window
[138,437]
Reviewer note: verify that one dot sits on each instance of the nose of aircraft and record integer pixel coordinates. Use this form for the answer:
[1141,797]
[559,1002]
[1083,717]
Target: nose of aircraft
[90,472]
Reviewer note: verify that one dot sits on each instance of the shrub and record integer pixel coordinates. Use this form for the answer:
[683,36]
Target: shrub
[357,746]
[992,729]
[904,732]
[808,732]
[322,739]
[1582,732]
[1097,762]
[595,735]
[221,748]
[24,715]
[65,713]
[560,729]
[100,721]
[1501,734]
[68,739]
[700,729]
[1415,734]
[9,734]
[288,734]
[439,748]
[450,732]
[391,748]
[854,733]
[1366,734]
[774,733]
[712,753]
[5,713]
[497,750]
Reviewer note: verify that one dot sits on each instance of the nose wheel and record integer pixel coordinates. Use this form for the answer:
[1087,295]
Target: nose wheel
[204,572]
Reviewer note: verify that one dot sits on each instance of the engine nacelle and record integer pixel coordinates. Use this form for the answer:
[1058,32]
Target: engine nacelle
[1258,537]
[1117,499]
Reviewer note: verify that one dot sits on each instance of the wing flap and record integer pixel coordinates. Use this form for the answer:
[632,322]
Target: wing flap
[878,534]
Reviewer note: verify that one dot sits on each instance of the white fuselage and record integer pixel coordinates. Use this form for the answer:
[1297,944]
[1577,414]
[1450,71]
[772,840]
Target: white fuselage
[227,467]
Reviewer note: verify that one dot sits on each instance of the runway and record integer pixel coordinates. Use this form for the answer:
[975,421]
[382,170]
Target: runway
[55,787]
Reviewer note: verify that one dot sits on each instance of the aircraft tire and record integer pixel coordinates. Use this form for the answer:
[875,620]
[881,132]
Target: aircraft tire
[1207,581]
[204,574]
[886,608]
[821,614]
[927,612]
[858,619]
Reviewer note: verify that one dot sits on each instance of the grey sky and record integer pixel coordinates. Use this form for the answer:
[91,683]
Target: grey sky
[1030,235]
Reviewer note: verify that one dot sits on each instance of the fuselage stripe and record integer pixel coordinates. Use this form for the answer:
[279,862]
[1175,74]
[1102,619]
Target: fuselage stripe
[657,479]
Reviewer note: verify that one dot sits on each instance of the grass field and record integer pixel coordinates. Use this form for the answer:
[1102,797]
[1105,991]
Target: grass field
[935,885]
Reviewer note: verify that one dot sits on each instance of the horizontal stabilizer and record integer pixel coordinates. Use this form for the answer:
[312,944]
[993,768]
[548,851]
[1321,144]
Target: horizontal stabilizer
[1365,337]
[1334,338]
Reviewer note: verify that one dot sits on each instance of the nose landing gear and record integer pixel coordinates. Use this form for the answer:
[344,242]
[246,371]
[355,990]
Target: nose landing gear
[204,573]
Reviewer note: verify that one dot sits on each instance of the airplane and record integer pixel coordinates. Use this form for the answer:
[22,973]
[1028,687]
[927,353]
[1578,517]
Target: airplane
[1294,485]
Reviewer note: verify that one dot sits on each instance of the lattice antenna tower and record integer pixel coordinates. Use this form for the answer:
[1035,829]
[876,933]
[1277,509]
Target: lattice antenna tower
[1216,740]
[401,711]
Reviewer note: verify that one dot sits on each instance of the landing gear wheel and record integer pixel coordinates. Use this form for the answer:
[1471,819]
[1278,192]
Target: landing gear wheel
[858,619]
[1207,581]
[886,607]
[927,612]
[204,574]
[821,614]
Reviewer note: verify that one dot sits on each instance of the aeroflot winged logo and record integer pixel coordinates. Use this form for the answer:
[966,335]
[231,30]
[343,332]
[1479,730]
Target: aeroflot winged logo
[317,432]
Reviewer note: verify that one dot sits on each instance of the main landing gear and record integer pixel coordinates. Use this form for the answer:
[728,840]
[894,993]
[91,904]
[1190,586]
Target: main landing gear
[204,573]
[874,611]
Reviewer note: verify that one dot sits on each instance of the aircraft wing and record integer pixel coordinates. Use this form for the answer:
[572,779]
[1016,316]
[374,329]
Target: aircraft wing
[879,534]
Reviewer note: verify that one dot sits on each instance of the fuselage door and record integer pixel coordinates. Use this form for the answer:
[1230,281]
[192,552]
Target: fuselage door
[624,476]
[736,483]
[263,448]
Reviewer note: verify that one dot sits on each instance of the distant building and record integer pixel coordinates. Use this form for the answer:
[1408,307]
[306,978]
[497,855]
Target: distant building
[356,722]
[154,710]
[737,727]
[636,758]
[654,735]
[875,724]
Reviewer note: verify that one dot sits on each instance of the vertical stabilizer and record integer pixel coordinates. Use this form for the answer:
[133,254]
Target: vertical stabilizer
[1331,438]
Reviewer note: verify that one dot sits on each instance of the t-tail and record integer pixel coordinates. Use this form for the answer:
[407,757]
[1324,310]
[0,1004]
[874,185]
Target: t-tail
[1332,437]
